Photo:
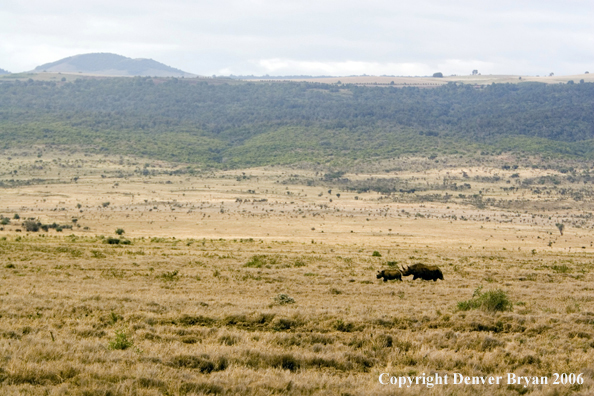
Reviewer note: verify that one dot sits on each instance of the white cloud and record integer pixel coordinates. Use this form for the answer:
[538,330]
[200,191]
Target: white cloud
[307,37]
[293,67]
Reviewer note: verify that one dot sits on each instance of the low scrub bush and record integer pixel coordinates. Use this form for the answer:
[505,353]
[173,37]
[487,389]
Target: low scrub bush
[491,301]
[170,276]
[121,341]
[260,260]
[283,299]
[202,363]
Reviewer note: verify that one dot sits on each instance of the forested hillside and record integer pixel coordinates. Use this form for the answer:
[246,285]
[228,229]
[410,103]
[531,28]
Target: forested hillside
[246,124]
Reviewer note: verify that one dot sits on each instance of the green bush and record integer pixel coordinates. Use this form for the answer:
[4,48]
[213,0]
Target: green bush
[260,260]
[120,231]
[491,301]
[561,269]
[121,341]
[376,254]
[31,226]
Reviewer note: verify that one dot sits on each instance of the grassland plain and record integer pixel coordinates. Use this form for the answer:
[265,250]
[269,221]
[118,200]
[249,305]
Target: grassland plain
[262,281]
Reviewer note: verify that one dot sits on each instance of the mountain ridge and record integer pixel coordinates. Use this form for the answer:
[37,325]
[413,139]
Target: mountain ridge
[108,64]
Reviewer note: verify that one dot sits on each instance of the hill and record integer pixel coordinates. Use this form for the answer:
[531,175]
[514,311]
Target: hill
[105,64]
[2,71]
[238,124]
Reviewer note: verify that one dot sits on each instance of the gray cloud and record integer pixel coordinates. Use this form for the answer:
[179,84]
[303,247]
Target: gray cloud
[308,37]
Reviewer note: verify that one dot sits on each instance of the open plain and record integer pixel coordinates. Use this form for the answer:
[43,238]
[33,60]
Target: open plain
[263,281]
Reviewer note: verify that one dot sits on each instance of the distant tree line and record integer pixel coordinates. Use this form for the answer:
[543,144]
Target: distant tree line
[245,123]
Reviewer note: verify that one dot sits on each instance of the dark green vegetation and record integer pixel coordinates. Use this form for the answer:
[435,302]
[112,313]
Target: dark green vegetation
[237,124]
[491,301]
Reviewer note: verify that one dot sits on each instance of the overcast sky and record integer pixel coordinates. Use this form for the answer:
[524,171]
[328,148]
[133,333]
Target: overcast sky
[322,37]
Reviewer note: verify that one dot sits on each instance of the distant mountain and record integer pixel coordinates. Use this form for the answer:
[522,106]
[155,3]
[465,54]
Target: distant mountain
[111,65]
[2,71]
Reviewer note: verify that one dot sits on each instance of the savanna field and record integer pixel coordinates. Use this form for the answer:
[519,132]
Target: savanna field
[120,276]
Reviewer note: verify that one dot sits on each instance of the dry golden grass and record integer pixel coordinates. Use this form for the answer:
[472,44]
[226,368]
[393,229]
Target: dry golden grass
[433,82]
[194,304]
[398,81]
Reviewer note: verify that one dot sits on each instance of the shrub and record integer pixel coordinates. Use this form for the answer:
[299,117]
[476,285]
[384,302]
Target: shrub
[283,299]
[120,231]
[202,363]
[491,301]
[170,276]
[121,341]
[187,320]
[31,226]
[111,241]
[376,254]
[286,362]
[561,269]
[258,261]
[344,327]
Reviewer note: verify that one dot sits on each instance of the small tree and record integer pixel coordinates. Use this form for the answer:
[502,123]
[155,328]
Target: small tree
[438,74]
[119,231]
[561,227]
[474,72]
[31,226]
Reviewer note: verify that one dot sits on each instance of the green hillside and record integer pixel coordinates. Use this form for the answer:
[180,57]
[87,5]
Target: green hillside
[248,124]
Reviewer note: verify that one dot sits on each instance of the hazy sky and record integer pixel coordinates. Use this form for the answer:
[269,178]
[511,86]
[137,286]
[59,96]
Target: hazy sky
[323,37]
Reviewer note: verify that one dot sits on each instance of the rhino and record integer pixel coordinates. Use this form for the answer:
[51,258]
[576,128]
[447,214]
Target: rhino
[389,275]
[422,271]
